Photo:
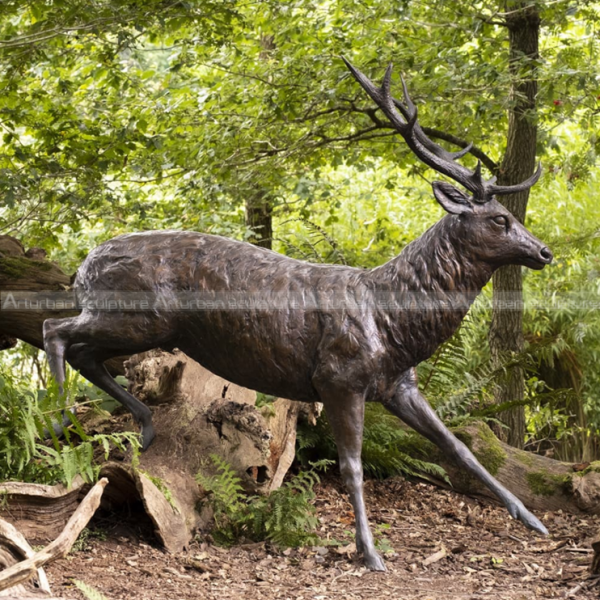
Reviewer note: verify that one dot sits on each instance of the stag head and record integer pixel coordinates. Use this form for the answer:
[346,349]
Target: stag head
[489,230]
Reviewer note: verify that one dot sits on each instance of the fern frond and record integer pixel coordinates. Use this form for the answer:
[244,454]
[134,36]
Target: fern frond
[88,591]
[286,517]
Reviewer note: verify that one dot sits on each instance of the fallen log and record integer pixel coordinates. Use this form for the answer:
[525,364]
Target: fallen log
[40,512]
[22,271]
[541,483]
[24,570]
[30,271]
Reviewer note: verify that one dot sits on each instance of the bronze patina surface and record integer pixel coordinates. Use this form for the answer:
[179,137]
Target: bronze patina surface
[339,335]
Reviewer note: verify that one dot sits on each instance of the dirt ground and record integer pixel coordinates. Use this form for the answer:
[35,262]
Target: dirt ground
[440,545]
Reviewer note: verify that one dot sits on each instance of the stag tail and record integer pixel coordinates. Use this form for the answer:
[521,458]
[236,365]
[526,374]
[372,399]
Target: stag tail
[403,118]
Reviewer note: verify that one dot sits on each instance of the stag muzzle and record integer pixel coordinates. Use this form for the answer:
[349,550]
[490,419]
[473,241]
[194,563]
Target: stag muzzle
[536,255]
[544,257]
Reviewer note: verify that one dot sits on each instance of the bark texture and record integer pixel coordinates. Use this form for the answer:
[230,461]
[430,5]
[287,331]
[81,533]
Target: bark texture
[17,574]
[506,330]
[21,273]
[259,217]
[40,512]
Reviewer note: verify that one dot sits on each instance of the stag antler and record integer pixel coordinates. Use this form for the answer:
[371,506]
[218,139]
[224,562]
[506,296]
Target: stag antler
[406,124]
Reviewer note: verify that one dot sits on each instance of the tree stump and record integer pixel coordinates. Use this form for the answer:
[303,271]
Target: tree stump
[196,414]
[19,561]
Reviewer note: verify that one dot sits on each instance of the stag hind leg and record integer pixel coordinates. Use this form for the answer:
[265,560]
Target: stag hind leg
[87,341]
[409,405]
[55,348]
[346,416]
[89,361]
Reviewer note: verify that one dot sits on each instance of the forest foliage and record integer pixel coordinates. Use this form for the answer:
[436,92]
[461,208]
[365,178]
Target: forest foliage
[127,116]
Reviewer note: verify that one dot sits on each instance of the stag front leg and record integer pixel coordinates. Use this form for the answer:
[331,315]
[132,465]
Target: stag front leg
[409,405]
[346,416]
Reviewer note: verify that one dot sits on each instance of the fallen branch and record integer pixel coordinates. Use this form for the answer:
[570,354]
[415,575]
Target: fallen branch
[60,547]
[12,538]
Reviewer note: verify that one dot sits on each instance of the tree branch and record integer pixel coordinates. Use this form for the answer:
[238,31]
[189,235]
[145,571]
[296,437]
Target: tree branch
[477,152]
[441,135]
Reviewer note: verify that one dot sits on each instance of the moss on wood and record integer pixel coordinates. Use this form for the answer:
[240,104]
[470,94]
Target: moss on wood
[543,483]
[594,467]
[18,268]
[489,451]
[524,457]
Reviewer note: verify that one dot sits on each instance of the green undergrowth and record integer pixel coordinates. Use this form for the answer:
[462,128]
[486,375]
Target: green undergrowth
[27,418]
[285,517]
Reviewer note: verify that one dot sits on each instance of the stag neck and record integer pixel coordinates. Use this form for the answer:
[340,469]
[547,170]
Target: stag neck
[438,261]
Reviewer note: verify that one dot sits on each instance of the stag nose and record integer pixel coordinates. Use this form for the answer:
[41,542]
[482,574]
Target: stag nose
[546,255]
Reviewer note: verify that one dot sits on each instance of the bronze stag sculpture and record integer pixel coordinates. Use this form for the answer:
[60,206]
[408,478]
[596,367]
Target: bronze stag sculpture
[342,355]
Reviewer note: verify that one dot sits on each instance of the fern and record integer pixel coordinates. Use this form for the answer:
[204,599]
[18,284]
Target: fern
[285,517]
[25,415]
[88,591]
[227,500]
[70,460]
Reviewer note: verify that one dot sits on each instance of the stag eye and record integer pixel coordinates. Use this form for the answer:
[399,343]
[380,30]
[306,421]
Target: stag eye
[500,220]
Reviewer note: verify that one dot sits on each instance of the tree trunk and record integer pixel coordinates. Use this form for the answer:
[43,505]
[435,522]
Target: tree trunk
[506,330]
[259,208]
[259,217]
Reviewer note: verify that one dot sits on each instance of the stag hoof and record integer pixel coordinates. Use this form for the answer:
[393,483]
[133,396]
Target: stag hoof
[519,512]
[374,562]
[148,435]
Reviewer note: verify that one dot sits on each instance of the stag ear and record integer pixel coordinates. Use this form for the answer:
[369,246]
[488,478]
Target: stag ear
[451,198]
